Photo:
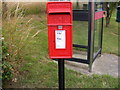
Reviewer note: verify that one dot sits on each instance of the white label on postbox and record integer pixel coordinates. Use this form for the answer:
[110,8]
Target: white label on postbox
[60,37]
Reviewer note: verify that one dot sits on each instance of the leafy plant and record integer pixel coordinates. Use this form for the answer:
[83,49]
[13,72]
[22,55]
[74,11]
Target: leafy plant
[6,66]
[6,71]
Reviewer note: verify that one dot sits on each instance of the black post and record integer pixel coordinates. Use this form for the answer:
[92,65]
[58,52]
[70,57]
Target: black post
[101,37]
[61,74]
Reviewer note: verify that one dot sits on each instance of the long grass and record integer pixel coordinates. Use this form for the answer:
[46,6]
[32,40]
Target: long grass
[15,32]
[16,35]
[29,7]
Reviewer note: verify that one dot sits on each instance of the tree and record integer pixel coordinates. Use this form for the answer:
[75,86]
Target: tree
[77,4]
[109,7]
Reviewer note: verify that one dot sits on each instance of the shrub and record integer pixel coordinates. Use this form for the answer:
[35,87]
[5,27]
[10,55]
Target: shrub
[6,66]
[6,71]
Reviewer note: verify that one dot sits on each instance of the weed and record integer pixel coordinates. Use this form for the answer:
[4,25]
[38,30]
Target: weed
[6,71]
[16,32]
[16,35]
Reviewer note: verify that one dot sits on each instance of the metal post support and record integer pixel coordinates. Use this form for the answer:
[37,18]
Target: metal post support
[91,33]
[101,37]
[61,74]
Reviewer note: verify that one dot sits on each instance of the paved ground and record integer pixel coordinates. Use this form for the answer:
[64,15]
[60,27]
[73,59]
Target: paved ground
[106,64]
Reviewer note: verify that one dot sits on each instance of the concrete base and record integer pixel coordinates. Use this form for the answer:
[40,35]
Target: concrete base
[107,64]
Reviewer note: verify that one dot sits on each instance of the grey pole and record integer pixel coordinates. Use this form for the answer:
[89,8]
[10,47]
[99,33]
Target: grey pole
[91,33]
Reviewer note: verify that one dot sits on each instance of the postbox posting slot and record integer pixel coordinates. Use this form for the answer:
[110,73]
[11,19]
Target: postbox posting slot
[58,12]
[60,19]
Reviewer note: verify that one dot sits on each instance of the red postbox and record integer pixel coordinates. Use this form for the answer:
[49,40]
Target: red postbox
[59,16]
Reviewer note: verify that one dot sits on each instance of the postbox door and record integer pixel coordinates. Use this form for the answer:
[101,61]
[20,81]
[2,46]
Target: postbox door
[60,29]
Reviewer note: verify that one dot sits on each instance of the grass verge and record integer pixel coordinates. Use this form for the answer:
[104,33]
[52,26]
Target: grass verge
[37,71]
